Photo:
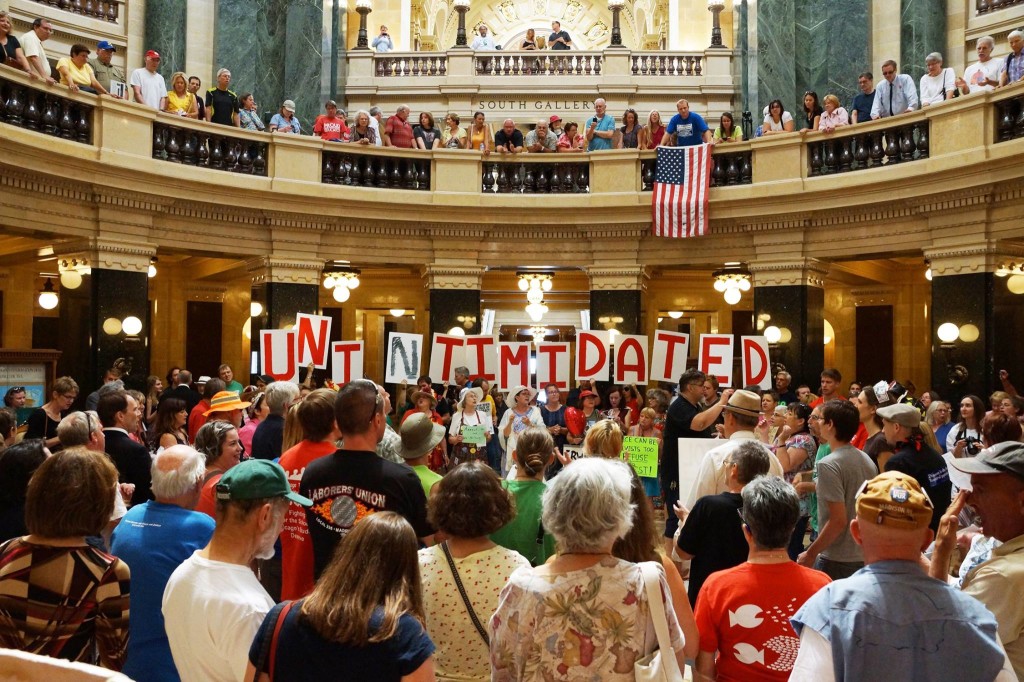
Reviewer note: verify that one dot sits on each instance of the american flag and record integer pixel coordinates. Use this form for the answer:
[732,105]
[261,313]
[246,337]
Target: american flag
[680,204]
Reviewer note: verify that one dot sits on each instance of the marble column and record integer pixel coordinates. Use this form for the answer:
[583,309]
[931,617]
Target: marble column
[274,50]
[966,291]
[116,288]
[166,29]
[616,298]
[792,296]
[922,31]
[283,287]
[454,298]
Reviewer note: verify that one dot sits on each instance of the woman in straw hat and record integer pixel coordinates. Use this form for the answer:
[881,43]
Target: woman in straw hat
[463,448]
[520,416]
[425,402]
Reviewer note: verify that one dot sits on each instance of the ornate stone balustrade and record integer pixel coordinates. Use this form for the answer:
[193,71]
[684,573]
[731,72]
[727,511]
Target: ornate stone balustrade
[54,112]
[205,147]
[728,167]
[984,6]
[399,64]
[852,149]
[363,167]
[1010,121]
[538,63]
[537,176]
[106,10]
[672,64]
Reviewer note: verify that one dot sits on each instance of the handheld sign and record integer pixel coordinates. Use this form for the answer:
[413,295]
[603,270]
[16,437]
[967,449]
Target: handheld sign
[631,359]
[403,357]
[474,435]
[347,361]
[642,454]
[553,365]
[277,352]
[574,452]
[716,357]
[668,356]
[314,332]
[592,356]
[481,356]
[756,365]
[446,353]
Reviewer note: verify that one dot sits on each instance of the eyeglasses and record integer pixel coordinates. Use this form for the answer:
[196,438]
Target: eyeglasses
[815,418]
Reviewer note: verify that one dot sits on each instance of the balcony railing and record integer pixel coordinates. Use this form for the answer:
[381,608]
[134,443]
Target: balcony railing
[553,63]
[666,64]
[535,177]
[851,151]
[105,10]
[410,64]
[209,149]
[362,169]
[1010,123]
[728,168]
[48,112]
[984,6]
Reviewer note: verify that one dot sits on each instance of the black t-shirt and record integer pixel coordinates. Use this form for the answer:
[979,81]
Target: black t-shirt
[41,426]
[428,135]
[268,437]
[224,103]
[299,646]
[677,425]
[788,398]
[348,485]
[876,445]
[931,473]
[862,105]
[559,46]
[501,139]
[713,534]
[11,48]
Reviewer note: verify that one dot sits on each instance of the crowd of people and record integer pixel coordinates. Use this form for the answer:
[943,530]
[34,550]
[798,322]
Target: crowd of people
[895,94]
[225,533]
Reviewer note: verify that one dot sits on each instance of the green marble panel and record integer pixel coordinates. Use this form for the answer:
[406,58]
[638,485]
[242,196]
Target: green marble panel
[166,27]
[776,50]
[923,30]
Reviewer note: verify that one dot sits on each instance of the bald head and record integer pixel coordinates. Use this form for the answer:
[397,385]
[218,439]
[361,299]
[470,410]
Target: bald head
[178,476]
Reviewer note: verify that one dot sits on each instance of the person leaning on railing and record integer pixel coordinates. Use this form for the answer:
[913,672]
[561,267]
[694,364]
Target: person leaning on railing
[778,120]
[248,119]
[727,130]
[834,115]
[629,133]
[480,136]
[571,140]
[12,54]
[179,100]
[77,74]
[426,135]
[453,136]
[540,139]
[362,132]
[650,135]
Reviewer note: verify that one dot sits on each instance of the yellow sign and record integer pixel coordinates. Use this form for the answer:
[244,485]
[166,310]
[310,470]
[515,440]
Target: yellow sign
[642,454]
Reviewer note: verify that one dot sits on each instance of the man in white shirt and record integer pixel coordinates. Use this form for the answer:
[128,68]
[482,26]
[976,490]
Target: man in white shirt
[214,604]
[375,118]
[32,46]
[983,75]
[148,85]
[938,84]
[484,41]
[895,94]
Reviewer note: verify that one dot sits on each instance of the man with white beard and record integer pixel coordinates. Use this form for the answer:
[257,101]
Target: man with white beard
[214,604]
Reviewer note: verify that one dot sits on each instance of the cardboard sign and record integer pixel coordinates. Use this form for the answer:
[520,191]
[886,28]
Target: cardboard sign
[346,361]
[757,368]
[631,359]
[403,357]
[716,357]
[573,451]
[277,354]
[482,357]
[669,355]
[513,365]
[446,353]
[474,435]
[314,333]
[553,365]
[593,355]
[642,454]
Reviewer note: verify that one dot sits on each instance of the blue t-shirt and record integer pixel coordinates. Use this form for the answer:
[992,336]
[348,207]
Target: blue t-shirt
[302,654]
[154,539]
[604,124]
[281,122]
[862,105]
[689,132]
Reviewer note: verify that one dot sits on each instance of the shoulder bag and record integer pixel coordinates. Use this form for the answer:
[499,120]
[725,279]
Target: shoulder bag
[268,650]
[661,665]
[465,597]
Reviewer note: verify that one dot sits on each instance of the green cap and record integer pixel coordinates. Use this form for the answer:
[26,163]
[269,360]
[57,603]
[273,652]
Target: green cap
[257,479]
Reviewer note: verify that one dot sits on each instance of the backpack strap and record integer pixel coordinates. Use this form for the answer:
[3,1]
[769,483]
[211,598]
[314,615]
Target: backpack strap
[281,615]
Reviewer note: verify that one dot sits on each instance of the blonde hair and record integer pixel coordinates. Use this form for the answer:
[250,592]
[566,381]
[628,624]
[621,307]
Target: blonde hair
[831,98]
[604,439]
[179,74]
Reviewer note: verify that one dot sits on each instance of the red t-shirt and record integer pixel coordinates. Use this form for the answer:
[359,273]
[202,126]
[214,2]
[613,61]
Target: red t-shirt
[207,501]
[821,400]
[196,419]
[296,547]
[330,128]
[860,438]
[400,132]
[743,613]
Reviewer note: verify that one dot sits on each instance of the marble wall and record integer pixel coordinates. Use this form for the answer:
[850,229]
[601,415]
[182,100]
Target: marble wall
[274,49]
[923,30]
[166,29]
[810,45]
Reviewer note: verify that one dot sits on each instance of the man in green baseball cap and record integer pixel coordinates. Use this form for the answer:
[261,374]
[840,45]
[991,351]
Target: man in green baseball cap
[216,587]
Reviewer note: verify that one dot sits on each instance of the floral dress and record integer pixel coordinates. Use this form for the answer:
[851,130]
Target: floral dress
[590,624]
[805,441]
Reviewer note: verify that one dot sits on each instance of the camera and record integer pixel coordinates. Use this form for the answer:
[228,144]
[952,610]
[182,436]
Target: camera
[972,446]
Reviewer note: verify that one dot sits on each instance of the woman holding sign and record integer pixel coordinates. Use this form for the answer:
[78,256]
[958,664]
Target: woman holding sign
[645,428]
[470,429]
[519,417]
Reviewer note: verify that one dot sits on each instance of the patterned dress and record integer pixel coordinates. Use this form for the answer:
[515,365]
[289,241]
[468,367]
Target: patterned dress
[805,441]
[590,624]
[64,602]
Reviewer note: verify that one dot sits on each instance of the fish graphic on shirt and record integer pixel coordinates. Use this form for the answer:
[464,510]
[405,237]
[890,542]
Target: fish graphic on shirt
[746,653]
[747,616]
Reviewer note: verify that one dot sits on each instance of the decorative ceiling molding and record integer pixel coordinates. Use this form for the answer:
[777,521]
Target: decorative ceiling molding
[623,278]
[467,277]
[108,253]
[803,272]
[278,270]
[973,258]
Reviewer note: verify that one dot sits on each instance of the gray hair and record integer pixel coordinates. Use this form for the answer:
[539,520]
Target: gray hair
[789,377]
[362,112]
[403,107]
[464,371]
[543,123]
[933,57]
[587,506]
[601,100]
[375,111]
[184,377]
[771,509]
[280,394]
[223,71]
[986,40]
[73,430]
[176,471]
[1015,34]
[210,439]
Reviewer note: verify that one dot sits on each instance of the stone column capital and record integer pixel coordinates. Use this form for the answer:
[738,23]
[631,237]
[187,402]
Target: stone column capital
[617,278]
[445,276]
[986,255]
[808,272]
[106,253]
[280,270]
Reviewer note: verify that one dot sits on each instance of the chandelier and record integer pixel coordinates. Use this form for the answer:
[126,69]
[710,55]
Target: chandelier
[732,280]
[535,284]
[341,279]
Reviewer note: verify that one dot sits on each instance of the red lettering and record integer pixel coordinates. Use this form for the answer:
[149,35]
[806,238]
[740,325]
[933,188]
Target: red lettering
[585,342]
[313,341]
[552,351]
[708,357]
[639,364]
[481,365]
[671,341]
[271,364]
[514,355]
[750,348]
[342,358]
[450,343]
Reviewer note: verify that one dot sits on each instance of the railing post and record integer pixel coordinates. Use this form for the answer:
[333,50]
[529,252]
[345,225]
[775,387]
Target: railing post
[716,70]
[461,67]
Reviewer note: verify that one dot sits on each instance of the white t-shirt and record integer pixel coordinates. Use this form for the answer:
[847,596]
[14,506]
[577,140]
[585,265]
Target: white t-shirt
[772,125]
[376,129]
[153,87]
[33,47]
[989,69]
[932,87]
[212,611]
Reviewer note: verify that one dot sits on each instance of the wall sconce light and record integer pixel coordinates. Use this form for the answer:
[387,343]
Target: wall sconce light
[341,279]
[71,272]
[457,331]
[397,312]
[948,334]
[830,333]
[467,321]
[928,269]
[152,267]
[48,298]
[255,309]
[131,326]
[675,314]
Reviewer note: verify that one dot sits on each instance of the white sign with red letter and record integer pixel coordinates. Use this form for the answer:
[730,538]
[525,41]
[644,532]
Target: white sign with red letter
[716,357]
[630,359]
[756,364]
[446,353]
[314,334]
[346,361]
[593,355]
[669,355]
[482,357]
[277,353]
[513,365]
[553,365]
